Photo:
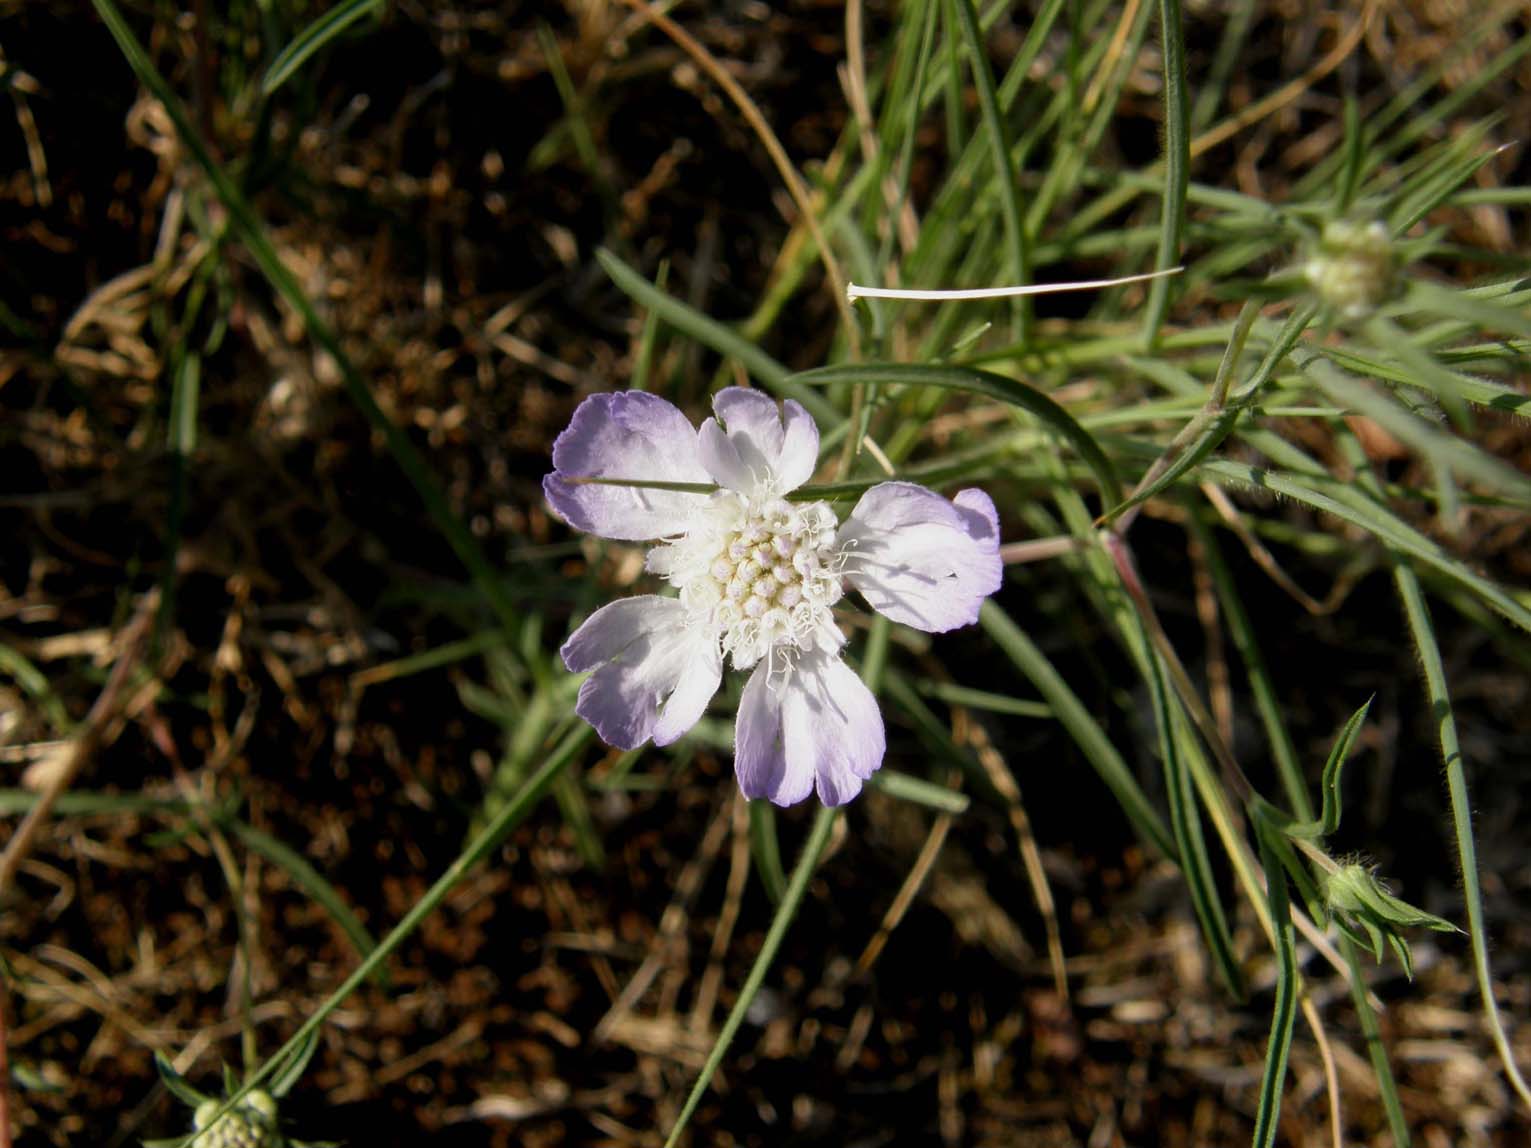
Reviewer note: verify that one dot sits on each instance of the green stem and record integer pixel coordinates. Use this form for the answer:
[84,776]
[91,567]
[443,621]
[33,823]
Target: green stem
[813,849]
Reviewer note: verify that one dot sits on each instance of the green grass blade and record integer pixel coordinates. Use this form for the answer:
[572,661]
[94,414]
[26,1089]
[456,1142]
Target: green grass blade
[1418,614]
[1177,164]
[312,882]
[1352,506]
[79,803]
[1185,821]
[1017,244]
[716,336]
[176,1084]
[511,814]
[1429,440]
[1267,703]
[252,233]
[1214,422]
[813,849]
[182,436]
[954,695]
[575,807]
[1074,718]
[313,38]
[1284,1017]
[766,848]
[989,384]
[907,787]
[35,683]
[1470,308]
[1473,389]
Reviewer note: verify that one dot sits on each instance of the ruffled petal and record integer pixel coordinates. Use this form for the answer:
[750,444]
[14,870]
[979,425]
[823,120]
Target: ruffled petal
[920,559]
[629,434]
[756,447]
[653,676]
[817,725]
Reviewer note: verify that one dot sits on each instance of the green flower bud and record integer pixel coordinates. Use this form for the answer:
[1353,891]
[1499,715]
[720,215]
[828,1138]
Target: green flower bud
[250,1125]
[1352,269]
[1347,889]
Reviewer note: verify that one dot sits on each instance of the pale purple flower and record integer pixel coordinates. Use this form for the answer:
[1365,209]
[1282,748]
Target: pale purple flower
[758,577]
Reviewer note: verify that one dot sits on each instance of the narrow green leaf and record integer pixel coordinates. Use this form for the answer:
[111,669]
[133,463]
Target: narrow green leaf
[1354,506]
[1241,629]
[248,227]
[289,1075]
[1212,425]
[1177,163]
[1371,1033]
[1418,614]
[716,336]
[1017,244]
[1329,818]
[511,814]
[78,803]
[575,808]
[176,1083]
[1074,718]
[1428,439]
[1185,821]
[1268,1108]
[312,882]
[1354,154]
[766,848]
[907,787]
[183,405]
[313,38]
[1470,307]
[574,110]
[955,695]
[35,683]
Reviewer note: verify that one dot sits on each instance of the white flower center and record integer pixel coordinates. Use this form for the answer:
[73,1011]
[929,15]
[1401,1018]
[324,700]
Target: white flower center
[763,571]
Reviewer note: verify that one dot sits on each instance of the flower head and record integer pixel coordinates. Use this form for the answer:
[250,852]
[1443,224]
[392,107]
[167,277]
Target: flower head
[1353,267]
[757,577]
[249,1124]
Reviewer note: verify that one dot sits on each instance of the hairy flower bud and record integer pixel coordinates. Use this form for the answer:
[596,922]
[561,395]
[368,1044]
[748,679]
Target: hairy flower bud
[1352,269]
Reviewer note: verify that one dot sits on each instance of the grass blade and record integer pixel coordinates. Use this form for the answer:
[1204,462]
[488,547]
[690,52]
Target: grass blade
[715,336]
[1371,1032]
[1185,820]
[1177,162]
[312,882]
[319,33]
[252,233]
[766,847]
[1285,1013]
[1242,631]
[907,787]
[1083,728]
[1355,507]
[511,814]
[1418,614]
[1017,245]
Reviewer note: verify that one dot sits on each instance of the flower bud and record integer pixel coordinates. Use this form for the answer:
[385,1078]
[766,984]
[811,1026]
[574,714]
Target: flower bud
[251,1124]
[1352,269]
